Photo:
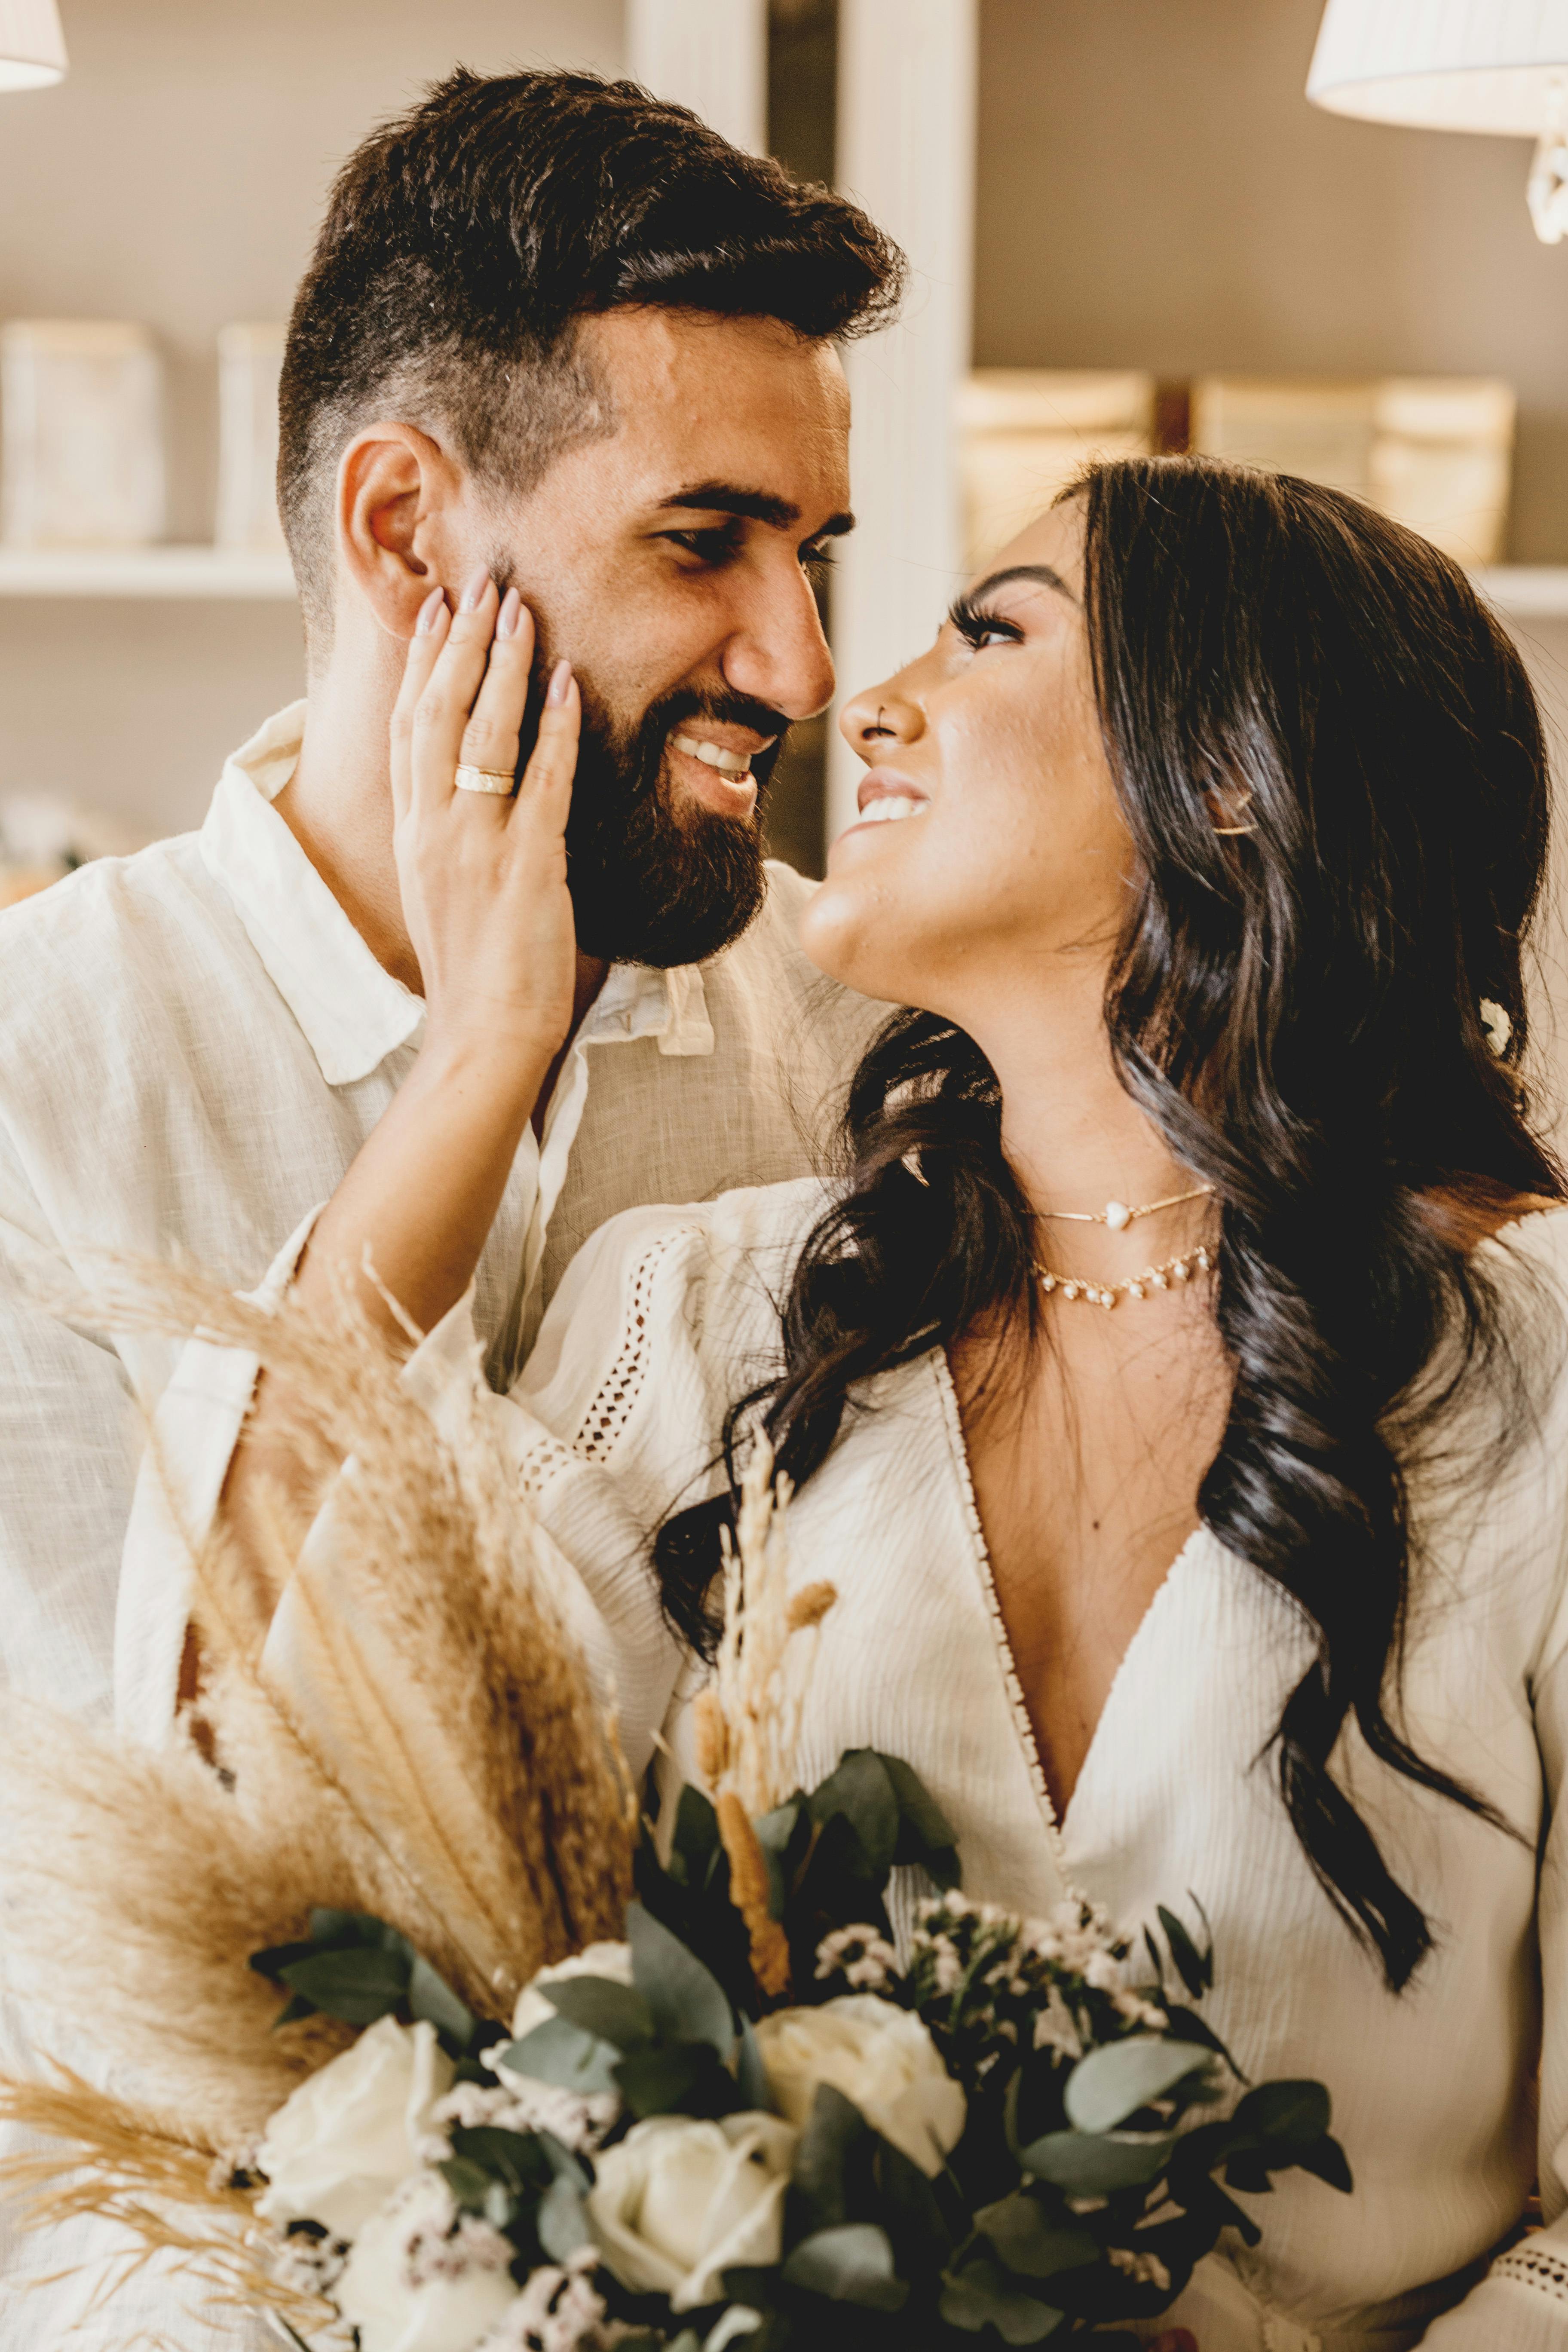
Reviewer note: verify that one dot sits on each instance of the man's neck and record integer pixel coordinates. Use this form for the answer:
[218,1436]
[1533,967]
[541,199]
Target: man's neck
[338,806]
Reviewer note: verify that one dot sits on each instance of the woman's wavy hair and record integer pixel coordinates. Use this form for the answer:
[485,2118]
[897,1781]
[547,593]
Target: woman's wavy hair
[1299,1013]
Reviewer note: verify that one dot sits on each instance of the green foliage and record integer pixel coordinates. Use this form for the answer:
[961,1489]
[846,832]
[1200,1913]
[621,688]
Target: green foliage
[357,1968]
[851,2263]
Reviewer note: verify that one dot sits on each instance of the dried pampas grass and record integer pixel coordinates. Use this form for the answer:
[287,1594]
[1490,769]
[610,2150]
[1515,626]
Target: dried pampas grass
[168,2198]
[414,1736]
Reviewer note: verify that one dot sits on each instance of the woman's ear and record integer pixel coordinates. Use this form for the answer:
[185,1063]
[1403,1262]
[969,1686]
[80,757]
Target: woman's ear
[396,494]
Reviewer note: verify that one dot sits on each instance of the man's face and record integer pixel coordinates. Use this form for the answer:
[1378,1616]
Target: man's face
[671,561]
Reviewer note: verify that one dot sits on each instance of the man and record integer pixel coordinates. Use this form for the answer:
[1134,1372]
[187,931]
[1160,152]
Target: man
[563,333]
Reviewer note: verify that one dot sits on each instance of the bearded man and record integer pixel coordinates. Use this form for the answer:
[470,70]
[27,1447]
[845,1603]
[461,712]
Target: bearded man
[556,331]
[560,334]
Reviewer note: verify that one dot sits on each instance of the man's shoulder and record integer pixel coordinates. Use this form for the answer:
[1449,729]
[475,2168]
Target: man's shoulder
[768,960]
[83,959]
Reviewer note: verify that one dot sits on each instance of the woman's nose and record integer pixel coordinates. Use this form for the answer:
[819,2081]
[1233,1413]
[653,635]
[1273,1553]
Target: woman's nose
[882,715]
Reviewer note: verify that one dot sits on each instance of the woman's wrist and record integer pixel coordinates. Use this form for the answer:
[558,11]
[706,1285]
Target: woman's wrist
[510,1062]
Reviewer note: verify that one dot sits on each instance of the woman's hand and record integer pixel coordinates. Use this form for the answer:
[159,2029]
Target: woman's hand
[482,876]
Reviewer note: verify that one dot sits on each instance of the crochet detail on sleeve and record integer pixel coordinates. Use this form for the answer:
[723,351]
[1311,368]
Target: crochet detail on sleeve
[1534,2264]
[600,1430]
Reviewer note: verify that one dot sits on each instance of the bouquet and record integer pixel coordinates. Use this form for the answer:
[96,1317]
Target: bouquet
[518,2078]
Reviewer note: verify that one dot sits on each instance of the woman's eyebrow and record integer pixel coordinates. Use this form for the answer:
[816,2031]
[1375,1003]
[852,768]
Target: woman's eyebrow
[1043,572]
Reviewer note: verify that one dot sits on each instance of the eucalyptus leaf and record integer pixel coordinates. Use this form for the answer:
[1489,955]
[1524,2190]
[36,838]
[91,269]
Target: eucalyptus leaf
[1113,2082]
[615,2012]
[1328,2159]
[562,2220]
[430,1997]
[1287,2114]
[1195,1968]
[470,2183]
[852,2262]
[686,2078]
[358,1984]
[925,1835]
[560,2053]
[1029,2244]
[751,2074]
[1091,2164]
[518,2160]
[822,2152]
[862,1791]
[979,2296]
[293,2009]
[774,1833]
[688,2002]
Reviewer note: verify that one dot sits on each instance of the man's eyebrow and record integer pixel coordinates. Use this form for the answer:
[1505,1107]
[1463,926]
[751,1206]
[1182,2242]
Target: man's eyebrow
[1043,572]
[754,505]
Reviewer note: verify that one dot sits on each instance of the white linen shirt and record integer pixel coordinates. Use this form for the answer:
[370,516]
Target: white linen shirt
[669,1315]
[194,1045]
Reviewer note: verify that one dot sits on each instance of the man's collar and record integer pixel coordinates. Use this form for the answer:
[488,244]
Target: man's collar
[352,1011]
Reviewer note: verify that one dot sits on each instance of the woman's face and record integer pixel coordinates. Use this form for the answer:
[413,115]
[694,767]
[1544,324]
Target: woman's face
[990,854]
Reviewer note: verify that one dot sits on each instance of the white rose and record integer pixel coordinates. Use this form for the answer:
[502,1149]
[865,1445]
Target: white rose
[612,1961]
[678,2201]
[403,2296]
[880,2057]
[340,2143]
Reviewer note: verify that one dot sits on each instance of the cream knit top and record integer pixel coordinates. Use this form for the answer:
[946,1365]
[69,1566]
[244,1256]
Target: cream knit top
[667,1314]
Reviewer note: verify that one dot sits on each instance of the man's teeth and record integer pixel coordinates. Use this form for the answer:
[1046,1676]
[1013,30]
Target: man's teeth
[888,807]
[714,755]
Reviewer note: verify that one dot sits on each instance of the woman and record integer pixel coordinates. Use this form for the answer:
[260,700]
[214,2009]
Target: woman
[1173,1384]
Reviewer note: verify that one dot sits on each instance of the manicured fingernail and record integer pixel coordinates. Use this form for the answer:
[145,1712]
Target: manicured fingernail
[507,618]
[560,680]
[430,610]
[475,589]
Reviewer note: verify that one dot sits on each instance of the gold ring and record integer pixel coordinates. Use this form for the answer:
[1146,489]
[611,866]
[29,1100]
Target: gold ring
[486,780]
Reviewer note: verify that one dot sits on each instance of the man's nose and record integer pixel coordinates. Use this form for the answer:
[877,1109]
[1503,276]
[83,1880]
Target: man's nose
[777,653]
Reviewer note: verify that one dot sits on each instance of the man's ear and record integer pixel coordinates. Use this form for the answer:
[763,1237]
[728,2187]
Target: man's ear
[397,494]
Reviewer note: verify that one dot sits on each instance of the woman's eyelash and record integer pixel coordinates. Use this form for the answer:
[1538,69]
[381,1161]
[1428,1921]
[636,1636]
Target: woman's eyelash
[975,624]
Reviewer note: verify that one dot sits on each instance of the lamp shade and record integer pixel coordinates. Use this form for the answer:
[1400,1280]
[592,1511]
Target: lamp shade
[1449,65]
[32,45]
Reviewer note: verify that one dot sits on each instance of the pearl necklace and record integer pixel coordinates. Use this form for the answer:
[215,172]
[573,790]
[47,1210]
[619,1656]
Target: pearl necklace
[1135,1286]
[1118,1215]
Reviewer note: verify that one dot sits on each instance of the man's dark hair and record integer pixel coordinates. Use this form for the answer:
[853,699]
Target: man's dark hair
[465,239]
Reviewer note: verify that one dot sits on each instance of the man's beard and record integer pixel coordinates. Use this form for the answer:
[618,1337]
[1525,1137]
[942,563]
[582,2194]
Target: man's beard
[652,883]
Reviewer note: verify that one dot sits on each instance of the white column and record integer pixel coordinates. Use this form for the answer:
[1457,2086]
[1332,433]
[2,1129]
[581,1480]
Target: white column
[906,152]
[709,55]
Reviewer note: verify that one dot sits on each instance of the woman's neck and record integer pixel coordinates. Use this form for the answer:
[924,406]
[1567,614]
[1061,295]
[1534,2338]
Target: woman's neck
[1074,1137]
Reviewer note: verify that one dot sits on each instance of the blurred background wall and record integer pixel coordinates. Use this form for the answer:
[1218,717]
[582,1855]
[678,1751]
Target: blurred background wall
[177,176]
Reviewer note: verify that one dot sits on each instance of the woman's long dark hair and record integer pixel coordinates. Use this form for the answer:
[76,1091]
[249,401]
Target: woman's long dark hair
[1299,1013]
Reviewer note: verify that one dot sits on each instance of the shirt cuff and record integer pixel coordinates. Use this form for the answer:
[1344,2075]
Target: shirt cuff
[195,1431]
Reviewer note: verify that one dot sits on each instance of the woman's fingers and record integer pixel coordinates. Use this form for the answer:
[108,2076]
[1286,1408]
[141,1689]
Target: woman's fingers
[544,798]
[491,738]
[423,647]
[441,711]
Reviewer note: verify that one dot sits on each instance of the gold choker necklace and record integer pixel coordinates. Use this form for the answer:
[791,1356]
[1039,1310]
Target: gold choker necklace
[1118,1215]
[1135,1286]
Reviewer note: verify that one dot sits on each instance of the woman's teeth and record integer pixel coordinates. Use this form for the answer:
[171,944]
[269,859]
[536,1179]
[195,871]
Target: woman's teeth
[888,807]
[713,755]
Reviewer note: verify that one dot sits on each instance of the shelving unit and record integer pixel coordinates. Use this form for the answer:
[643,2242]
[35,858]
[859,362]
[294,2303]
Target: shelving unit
[143,572]
[1524,590]
[1527,590]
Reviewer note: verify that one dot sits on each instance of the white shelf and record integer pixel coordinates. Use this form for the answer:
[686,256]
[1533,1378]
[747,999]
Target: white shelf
[119,571]
[1527,590]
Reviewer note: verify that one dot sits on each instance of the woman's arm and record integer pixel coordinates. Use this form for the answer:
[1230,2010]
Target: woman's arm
[483,881]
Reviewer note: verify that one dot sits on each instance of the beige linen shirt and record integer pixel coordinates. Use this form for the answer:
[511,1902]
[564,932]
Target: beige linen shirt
[194,1045]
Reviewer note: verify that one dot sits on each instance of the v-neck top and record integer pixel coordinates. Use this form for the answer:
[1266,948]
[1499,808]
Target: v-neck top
[669,1314]
[1178,1800]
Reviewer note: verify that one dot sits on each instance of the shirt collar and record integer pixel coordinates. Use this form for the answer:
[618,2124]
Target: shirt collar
[350,1008]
